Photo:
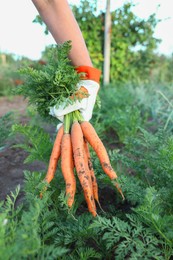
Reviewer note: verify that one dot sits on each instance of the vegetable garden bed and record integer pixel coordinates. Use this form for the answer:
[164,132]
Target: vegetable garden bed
[135,124]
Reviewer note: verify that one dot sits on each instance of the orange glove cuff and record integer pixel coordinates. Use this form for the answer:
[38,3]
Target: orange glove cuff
[89,73]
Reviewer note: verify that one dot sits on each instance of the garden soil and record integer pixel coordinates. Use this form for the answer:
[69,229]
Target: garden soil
[11,158]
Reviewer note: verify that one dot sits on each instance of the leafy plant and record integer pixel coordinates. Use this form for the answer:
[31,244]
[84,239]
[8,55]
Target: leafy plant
[121,116]
[9,75]
[128,238]
[140,227]
[37,142]
[21,234]
[152,212]
[51,84]
[132,45]
[6,122]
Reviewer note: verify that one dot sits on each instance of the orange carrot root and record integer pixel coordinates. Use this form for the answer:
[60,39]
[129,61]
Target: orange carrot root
[78,154]
[90,166]
[96,143]
[67,167]
[55,155]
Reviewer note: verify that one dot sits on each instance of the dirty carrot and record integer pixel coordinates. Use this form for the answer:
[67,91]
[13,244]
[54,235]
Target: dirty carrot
[96,143]
[90,166]
[78,154]
[67,167]
[55,155]
[87,164]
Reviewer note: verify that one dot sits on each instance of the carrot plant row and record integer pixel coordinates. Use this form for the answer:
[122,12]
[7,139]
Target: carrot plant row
[71,147]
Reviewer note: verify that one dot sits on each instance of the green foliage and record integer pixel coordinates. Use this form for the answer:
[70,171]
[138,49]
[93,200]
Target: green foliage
[92,30]
[134,240]
[141,152]
[133,44]
[49,237]
[129,33]
[7,58]
[21,233]
[153,213]
[37,142]
[144,161]
[121,116]
[6,122]
[6,80]
[42,229]
[133,188]
[40,21]
[9,76]
[132,40]
[135,122]
[149,158]
[161,71]
[51,84]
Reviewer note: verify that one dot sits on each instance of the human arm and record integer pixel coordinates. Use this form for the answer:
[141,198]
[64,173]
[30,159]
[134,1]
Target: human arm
[63,26]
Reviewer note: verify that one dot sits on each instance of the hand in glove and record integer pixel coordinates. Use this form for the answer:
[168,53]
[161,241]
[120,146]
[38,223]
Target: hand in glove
[90,83]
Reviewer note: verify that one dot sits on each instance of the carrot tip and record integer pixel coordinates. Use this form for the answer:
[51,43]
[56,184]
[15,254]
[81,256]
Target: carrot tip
[98,202]
[119,189]
[94,213]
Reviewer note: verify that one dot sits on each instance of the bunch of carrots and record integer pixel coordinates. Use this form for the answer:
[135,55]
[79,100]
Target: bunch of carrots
[49,86]
[72,147]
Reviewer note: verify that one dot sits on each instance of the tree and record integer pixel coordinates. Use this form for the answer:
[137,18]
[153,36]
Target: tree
[132,40]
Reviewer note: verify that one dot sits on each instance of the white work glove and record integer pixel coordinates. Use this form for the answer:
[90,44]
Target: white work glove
[85,105]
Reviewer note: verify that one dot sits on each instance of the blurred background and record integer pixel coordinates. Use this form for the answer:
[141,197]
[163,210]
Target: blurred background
[141,40]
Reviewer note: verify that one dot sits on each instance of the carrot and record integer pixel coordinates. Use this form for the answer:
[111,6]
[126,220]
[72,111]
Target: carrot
[55,155]
[87,165]
[90,166]
[67,166]
[78,154]
[96,143]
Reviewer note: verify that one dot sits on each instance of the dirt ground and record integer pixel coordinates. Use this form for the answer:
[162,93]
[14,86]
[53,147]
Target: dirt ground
[16,104]
[11,159]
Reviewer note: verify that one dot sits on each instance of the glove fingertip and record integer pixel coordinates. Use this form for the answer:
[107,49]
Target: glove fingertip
[58,126]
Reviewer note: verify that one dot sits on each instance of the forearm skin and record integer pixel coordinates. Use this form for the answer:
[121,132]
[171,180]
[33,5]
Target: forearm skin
[63,26]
